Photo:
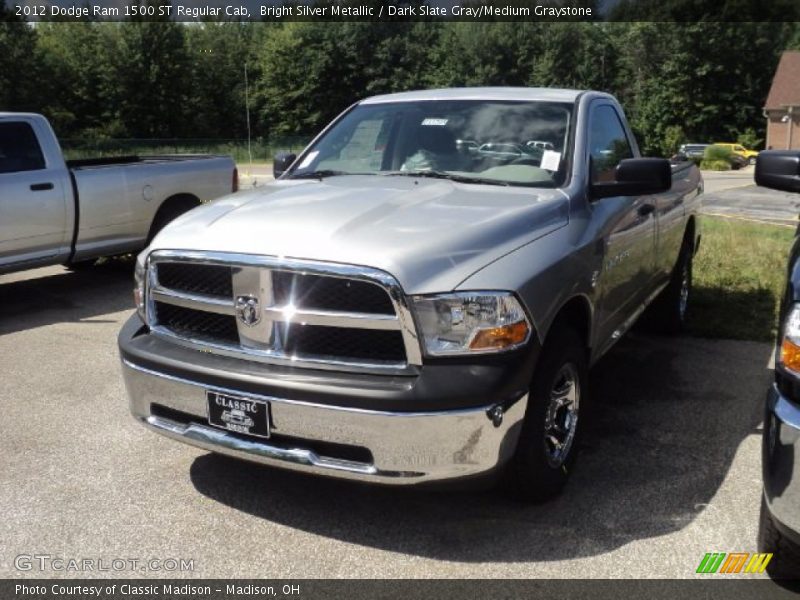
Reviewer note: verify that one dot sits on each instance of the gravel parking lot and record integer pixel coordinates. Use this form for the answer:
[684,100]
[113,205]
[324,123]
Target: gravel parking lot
[670,469]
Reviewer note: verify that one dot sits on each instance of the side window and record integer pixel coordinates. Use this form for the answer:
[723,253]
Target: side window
[19,148]
[608,144]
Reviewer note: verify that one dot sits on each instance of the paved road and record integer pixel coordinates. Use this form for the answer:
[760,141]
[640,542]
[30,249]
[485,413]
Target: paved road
[670,468]
[716,181]
[754,203]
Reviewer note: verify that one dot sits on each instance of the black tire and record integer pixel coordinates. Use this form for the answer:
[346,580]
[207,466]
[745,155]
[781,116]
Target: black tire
[167,213]
[81,265]
[785,563]
[536,474]
[669,311]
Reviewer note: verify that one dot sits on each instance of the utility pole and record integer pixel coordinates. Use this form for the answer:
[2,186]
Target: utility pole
[247,111]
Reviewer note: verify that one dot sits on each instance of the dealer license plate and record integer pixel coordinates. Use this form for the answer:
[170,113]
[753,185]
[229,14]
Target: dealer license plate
[238,414]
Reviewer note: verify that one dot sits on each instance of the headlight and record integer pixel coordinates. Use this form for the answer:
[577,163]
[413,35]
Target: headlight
[471,322]
[140,275]
[790,345]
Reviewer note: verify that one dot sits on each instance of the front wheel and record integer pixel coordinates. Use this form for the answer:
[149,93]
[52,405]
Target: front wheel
[785,561]
[550,434]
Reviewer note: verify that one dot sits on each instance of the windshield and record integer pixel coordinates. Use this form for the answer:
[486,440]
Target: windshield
[507,143]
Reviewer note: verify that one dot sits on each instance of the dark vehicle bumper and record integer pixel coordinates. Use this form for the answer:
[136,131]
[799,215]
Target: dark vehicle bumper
[451,420]
[781,462]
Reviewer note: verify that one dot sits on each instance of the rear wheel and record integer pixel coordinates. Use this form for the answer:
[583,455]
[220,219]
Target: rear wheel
[170,211]
[668,312]
[551,431]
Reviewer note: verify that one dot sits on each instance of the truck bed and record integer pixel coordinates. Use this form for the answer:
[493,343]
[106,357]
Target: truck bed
[131,159]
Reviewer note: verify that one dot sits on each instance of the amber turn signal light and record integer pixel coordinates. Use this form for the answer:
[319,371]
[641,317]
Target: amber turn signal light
[501,337]
[790,355]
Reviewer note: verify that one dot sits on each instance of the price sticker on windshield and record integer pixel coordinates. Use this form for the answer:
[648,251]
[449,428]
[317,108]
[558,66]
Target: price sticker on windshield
[308,159]
[550,160]
[435,122]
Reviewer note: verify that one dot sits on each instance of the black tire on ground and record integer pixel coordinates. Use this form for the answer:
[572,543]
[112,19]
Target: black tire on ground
[169,212]
[81,265]
[785,563]
[669,311]
[537,471]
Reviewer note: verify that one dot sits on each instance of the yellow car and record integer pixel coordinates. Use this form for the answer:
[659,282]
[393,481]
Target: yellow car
[748,155]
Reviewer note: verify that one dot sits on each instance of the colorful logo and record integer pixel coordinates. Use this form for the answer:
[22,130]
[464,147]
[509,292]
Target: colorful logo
[735,562]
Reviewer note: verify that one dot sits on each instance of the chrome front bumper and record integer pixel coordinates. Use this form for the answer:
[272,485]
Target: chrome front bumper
[781,461]
[406,448]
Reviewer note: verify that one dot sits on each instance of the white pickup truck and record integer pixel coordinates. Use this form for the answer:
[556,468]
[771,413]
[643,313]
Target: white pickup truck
[54,211]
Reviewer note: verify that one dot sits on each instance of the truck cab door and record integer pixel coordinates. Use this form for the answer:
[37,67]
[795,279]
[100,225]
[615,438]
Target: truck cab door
[628,229]
[33,211]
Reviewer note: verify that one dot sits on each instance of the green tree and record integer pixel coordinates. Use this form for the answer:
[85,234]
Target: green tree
[575,55]
[674,136]
[19,68]
[218,53]
[151,69]
[479,53]
[311,71]
[80,99]
[749,139]
[711,79]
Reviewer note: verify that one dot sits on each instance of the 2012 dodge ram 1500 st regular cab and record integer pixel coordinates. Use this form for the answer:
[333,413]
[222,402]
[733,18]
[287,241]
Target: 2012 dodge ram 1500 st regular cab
[420,293]
[53,212]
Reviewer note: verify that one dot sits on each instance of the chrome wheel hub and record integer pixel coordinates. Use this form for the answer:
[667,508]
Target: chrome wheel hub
[561,420]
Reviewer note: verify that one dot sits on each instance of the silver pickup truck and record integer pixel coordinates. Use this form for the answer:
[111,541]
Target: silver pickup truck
[420,293]
[57,212]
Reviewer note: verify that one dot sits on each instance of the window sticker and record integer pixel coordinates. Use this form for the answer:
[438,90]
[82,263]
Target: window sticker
[434,122]
[550,160]
[363,141]
[308,159]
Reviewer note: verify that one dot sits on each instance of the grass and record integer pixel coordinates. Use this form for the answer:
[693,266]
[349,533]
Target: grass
[739,277]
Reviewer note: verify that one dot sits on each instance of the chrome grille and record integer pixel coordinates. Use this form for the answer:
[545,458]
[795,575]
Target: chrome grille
[301,313]
[353,344]
[210,280]
[200,324]
[330,293]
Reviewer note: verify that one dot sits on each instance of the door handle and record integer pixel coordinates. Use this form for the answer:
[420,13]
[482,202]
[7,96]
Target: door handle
[41,187]
[646,209]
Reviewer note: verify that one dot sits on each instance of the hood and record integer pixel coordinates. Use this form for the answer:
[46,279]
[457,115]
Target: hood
[430,234]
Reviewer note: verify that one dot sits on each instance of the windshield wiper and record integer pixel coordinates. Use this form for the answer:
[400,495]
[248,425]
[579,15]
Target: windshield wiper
[321,174]
[446,175]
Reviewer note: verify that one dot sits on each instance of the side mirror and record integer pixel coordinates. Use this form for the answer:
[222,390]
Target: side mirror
[636,177]
[779,170]
[282,162]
